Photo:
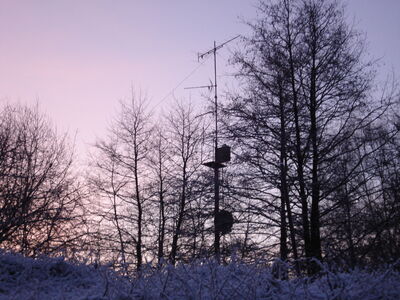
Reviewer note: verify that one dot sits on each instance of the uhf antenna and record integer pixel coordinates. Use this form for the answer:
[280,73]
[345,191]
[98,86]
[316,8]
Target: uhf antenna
[222,220]
[214,85]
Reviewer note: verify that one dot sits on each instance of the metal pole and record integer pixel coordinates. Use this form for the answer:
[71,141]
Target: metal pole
[215,164]
[215,97]
[216,170]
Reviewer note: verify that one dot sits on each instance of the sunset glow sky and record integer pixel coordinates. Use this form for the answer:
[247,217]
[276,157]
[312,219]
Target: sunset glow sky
[78,58]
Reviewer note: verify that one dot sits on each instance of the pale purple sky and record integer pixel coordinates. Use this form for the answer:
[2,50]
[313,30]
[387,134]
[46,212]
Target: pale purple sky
[78,58]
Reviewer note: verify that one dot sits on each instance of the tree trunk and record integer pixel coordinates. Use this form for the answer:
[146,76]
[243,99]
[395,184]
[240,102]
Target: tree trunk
[182,203]
[284,188]
[315,185]
[161,224]
[298,151]
[283,176]
[140,217]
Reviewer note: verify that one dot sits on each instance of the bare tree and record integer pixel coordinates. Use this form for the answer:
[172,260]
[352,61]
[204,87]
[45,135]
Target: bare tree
[160,187]
[307,94]
[122,174]
[186,138]
[40,198]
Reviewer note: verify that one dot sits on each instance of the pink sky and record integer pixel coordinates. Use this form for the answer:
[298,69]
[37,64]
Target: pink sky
[78,58]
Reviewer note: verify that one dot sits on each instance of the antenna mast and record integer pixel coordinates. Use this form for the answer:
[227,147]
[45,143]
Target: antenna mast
[221,155]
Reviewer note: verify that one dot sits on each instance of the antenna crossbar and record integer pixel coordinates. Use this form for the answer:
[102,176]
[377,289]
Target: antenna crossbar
[202,55]
[200,87]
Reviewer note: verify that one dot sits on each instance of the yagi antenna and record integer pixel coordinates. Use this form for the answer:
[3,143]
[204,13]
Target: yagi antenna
[202,55]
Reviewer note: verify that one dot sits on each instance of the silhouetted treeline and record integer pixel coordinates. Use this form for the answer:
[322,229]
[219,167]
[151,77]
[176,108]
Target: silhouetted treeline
[315,170]
[41,200]
[312,134]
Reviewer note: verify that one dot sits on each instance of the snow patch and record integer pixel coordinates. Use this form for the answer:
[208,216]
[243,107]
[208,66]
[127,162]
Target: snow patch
[55,278]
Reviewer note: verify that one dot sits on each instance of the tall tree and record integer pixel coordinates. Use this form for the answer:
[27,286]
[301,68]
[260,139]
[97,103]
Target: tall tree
[186,137]
[306,93]
[160,186]
[41,203]
[122,171]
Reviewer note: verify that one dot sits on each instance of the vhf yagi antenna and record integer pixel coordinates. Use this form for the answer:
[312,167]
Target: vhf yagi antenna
[201,56]
[222,220]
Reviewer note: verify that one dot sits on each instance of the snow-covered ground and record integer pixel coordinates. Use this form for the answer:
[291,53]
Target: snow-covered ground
[23,278]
